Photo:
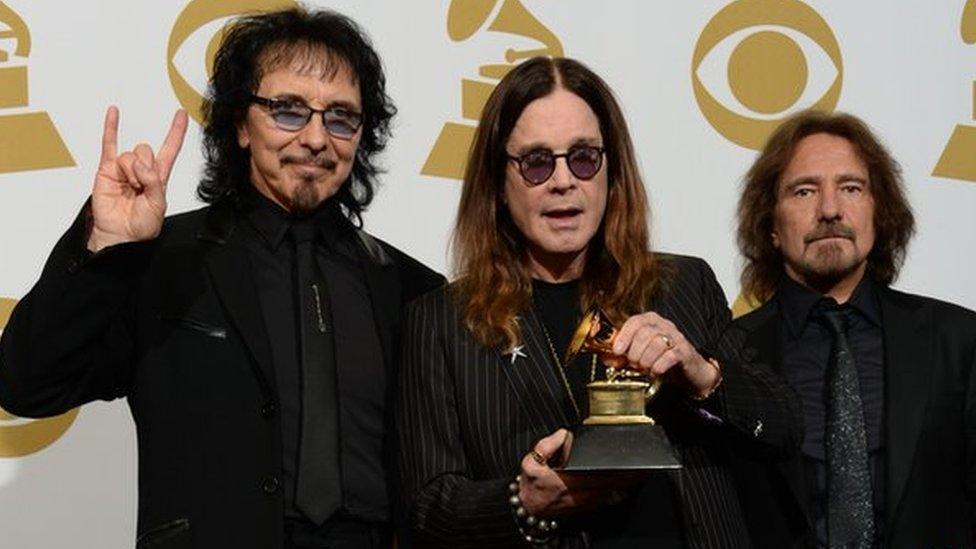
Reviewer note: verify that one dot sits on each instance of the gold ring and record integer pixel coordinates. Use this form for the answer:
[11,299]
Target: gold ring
[537,457]
[668,342]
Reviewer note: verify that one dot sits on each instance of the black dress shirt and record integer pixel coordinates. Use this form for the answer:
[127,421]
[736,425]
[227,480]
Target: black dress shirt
[625,524]
[559,309]
[361,374]
[806,354]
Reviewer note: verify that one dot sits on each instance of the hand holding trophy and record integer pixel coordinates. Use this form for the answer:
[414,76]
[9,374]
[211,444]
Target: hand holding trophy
[617,434]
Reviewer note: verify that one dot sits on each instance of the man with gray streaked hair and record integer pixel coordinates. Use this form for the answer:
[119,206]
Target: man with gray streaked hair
[884,377]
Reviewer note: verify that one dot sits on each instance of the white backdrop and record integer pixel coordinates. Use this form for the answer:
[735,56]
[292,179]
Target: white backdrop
[905,67]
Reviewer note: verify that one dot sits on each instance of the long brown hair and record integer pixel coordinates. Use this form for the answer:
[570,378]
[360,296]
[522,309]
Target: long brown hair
[894,223]
[490,256]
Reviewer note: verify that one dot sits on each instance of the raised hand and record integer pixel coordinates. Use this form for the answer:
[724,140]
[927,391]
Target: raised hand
[129,194]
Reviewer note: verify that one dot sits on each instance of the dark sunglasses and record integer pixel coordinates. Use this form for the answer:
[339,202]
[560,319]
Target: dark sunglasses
[292,115]
[537,165]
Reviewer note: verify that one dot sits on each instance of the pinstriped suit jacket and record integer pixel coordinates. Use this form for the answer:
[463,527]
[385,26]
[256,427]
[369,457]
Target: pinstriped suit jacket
[468,414]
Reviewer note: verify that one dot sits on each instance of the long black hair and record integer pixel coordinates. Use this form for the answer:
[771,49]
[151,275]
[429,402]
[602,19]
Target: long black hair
[258,43]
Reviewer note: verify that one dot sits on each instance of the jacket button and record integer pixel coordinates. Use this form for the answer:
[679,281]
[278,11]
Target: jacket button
[270,484]
[268,410]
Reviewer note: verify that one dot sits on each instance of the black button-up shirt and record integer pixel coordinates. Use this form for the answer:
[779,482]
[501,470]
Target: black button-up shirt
[806,345]
[361,374]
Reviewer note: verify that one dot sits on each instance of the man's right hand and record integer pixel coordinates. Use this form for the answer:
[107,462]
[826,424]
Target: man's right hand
[547,492]
[129,195]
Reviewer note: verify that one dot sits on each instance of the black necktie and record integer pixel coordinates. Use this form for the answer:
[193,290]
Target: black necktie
[850,515]
[319,492]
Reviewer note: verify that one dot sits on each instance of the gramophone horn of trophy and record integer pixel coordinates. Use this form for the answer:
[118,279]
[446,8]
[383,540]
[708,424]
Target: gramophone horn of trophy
[617,435]
[28,140]
[448,156]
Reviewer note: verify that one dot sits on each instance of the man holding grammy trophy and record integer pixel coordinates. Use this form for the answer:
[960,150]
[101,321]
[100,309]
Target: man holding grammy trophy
[552,223]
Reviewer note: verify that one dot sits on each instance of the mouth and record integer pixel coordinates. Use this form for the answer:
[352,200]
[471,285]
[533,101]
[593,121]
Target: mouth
[310,164]
[823,238]
[564,213]
[832,231]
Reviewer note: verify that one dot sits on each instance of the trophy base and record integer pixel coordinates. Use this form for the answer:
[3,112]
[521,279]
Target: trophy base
[627,447]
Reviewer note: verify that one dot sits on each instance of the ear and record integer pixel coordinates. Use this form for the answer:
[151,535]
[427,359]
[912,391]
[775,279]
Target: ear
[243,136]
[775,239]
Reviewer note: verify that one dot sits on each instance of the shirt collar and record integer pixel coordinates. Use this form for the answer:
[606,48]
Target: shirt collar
[865,300]
[797,302]
[271,221]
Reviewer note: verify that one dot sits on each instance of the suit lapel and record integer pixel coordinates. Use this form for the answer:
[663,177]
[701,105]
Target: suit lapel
[384,292]
[763,343]
[907,344]
[232,277]
[762,340]
[532,374]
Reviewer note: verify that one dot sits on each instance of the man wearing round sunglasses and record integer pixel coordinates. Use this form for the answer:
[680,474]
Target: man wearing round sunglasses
[253,338]
[537,165]
[553,221]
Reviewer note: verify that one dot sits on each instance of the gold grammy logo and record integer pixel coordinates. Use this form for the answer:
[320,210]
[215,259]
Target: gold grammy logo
[448,157]
[744,304]
[767,70]
[958,160]
[21,437]
[195,15]
[28,140]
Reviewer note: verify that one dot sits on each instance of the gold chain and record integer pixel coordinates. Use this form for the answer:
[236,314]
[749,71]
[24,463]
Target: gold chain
[560,367]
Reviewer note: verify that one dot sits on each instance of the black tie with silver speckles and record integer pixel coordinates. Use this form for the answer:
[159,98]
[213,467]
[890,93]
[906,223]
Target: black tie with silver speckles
[850,515]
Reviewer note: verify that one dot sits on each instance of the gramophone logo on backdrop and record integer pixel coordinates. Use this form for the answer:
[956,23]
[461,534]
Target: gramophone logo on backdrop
[958,160]
[464,19]
[768,71]
[196,14]
[21,437]
[28,139]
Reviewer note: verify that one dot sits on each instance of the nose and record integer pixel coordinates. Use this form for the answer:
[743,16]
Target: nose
[829,206]
[562,178]
[313,136]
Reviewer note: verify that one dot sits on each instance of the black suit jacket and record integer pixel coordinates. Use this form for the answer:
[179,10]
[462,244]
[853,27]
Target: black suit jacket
[174,325]
[929,430]
[468,414]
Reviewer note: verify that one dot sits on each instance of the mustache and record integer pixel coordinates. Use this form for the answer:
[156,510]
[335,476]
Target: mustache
[832,230]
[320,160]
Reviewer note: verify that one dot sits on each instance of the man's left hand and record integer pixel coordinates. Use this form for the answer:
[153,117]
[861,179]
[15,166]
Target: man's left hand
[653,344]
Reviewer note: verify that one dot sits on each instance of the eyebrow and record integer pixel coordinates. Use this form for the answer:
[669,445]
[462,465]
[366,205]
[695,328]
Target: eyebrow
[815,180]
[593,141]
[847,177]
[299,99]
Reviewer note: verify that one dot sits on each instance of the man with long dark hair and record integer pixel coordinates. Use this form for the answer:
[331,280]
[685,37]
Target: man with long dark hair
[885,378]
[253,338]
[552,221]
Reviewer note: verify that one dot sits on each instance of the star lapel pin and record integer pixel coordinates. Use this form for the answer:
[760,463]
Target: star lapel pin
[517,352]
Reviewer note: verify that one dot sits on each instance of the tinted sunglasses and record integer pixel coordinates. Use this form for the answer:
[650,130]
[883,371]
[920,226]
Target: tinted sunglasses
[537,165]
[292,115]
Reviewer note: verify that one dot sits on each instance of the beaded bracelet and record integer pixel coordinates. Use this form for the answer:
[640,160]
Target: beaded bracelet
[533,530]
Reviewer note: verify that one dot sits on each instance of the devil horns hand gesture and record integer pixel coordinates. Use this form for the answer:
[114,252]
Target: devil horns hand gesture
[129,196]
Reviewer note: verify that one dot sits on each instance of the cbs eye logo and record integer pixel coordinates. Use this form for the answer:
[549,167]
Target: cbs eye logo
[777,55]
[21,437]
[196,15]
